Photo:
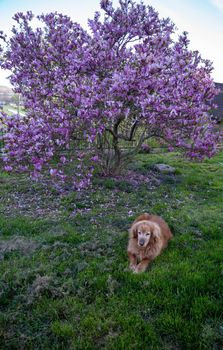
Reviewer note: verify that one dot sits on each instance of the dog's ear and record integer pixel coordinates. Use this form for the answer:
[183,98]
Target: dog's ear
[156,232]
[133,232]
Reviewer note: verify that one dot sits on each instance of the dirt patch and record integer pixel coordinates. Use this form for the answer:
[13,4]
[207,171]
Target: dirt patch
[25,246]
[40,285]
[136,179]
[45,286]
[21,196]
[150,179]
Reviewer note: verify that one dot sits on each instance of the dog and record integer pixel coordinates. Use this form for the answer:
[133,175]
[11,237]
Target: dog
[148,236]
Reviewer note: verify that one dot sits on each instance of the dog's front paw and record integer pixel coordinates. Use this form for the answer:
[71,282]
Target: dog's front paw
[132,267]
[136,270]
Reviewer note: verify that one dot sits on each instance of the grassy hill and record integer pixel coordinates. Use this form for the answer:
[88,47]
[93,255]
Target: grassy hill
[64,278]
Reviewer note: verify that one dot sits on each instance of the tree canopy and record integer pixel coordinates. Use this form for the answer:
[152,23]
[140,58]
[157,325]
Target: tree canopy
[124,80]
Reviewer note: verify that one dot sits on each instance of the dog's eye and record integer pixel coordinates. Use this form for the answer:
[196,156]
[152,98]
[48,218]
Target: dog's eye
[147,233]
[139,233]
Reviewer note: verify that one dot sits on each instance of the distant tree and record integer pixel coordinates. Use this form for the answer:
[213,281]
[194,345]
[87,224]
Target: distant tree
[91,94]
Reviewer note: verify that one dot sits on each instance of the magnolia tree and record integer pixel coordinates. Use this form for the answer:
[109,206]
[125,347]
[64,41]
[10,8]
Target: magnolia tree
[91,94]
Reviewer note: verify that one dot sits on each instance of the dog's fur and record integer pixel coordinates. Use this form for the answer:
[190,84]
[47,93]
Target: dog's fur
[148,236]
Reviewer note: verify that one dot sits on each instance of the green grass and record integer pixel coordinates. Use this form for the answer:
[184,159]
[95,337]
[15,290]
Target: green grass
[67,286]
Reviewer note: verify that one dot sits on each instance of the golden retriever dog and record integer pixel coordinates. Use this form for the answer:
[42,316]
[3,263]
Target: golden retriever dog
[148,236]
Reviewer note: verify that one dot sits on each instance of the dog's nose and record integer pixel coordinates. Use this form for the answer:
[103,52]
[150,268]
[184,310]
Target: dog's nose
[141,242]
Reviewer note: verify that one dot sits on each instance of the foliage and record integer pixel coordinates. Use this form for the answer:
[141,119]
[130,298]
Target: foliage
[123,82]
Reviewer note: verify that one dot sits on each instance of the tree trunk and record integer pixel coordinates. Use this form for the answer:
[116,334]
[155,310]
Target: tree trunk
[117,157]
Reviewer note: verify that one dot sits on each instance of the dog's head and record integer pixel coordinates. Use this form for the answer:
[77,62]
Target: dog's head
[145,232]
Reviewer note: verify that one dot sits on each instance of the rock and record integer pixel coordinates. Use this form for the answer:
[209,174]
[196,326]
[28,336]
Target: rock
[165,169]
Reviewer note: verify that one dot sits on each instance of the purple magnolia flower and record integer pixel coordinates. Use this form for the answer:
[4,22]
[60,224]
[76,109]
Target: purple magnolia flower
[63,159]
[95,158]
[53,172]
[8,168]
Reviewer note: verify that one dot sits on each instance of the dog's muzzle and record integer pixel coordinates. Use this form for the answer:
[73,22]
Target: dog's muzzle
[141,242]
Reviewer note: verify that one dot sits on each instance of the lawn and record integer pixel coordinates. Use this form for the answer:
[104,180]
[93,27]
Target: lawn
[64,278]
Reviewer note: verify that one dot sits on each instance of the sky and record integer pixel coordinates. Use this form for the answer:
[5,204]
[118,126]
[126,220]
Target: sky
[202,19]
